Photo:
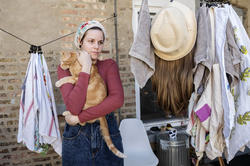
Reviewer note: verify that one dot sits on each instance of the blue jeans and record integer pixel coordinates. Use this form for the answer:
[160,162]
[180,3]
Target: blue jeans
[85,146]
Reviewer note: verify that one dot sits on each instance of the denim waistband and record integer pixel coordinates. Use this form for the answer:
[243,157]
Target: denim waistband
[89,128]
[88,142]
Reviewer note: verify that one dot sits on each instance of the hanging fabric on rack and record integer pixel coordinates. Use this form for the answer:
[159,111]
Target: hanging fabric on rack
[202,54]
[216,124]
[207,117]
[38,123]
[203,65]
[240,135]
[221,19]
[233,58]
[142,56]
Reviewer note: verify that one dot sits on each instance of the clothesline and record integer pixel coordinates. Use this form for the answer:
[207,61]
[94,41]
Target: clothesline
[35,48]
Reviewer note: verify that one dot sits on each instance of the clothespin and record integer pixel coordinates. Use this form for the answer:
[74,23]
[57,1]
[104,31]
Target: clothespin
[201,3]
[32,49]
[39,49]
[35,49]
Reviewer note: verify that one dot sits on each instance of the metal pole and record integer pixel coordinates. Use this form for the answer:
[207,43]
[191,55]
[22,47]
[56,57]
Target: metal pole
[116,47]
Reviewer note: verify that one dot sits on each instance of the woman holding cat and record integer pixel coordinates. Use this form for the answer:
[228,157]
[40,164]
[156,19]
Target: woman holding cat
[83,145]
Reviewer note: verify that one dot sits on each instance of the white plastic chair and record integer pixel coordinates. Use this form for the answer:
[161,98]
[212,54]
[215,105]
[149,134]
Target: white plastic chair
[136,144]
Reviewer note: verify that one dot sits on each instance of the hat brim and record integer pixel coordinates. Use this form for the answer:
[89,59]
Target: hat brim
[191,36]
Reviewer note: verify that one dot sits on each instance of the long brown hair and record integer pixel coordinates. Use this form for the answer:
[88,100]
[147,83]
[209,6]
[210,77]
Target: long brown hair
[173,84]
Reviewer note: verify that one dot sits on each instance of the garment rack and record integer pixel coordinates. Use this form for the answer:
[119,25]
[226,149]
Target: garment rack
[210,3]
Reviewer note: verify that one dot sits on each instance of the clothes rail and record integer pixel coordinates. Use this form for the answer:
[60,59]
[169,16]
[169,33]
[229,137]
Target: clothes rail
[216,1]
[210,3]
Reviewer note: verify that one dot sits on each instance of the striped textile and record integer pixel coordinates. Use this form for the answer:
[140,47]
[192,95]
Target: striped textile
[38,123]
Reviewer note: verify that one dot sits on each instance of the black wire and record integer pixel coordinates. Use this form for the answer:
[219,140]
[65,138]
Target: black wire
[15,36]
[51,40]
[57,39]
[74,32]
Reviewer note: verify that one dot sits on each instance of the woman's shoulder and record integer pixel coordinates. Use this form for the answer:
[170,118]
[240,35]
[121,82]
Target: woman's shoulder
[61,72]
[59,68]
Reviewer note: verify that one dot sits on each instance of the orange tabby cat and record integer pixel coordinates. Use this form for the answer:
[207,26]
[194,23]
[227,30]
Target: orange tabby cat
[96,93]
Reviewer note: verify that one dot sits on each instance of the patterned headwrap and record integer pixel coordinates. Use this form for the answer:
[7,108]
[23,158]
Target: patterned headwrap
[84,27]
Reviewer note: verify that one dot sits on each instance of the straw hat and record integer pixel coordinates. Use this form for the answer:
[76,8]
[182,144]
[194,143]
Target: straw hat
[173,31]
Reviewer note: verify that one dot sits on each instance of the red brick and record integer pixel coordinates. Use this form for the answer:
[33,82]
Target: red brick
[8,74]
[3,95]
[69,12]
[68,39]
[130,104]
[10,87]
[4,101]
[11,81]
[66,18]
[4,60]
[71,25]
[3,81]
[4,151]
[79,5]
[65,32]
[81,19]
[2,67]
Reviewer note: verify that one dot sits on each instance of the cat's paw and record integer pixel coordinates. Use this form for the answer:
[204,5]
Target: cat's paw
[58,84]
[65,113]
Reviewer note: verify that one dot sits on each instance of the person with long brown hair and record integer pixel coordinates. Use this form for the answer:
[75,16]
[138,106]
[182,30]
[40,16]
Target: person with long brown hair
[173,84]
[173,35]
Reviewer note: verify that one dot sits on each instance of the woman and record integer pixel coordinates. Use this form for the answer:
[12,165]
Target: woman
[84,145]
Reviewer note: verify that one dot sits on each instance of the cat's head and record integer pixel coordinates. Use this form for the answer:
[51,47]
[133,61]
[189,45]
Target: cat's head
[67,60]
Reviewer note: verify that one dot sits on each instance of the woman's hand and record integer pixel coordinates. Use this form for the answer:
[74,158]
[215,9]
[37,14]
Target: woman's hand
[71,119]
[85,60]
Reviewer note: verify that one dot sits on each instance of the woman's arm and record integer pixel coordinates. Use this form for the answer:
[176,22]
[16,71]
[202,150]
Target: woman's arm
[74,96]
[113,101]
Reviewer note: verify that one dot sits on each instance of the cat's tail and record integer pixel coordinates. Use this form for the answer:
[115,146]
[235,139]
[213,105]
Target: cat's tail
[107,138]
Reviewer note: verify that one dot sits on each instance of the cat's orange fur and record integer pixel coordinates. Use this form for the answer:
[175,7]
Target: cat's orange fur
[96,93]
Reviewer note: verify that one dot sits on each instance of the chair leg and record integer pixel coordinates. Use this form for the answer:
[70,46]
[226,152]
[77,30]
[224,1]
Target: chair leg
[197,162]
[221,161]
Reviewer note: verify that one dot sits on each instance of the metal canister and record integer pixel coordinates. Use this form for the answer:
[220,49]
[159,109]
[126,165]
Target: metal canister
[173,152]
[152,139]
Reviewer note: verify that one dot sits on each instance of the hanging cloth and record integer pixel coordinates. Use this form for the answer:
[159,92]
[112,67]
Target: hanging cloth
[142,56]
[202,54]
[221,19]
[38,123]
[240,135]
[207,115]
[202,68]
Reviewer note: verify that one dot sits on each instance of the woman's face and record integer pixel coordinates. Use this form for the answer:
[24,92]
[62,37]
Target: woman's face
[93,43]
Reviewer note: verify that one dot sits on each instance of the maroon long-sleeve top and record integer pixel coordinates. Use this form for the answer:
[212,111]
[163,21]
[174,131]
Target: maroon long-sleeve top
[74,96]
